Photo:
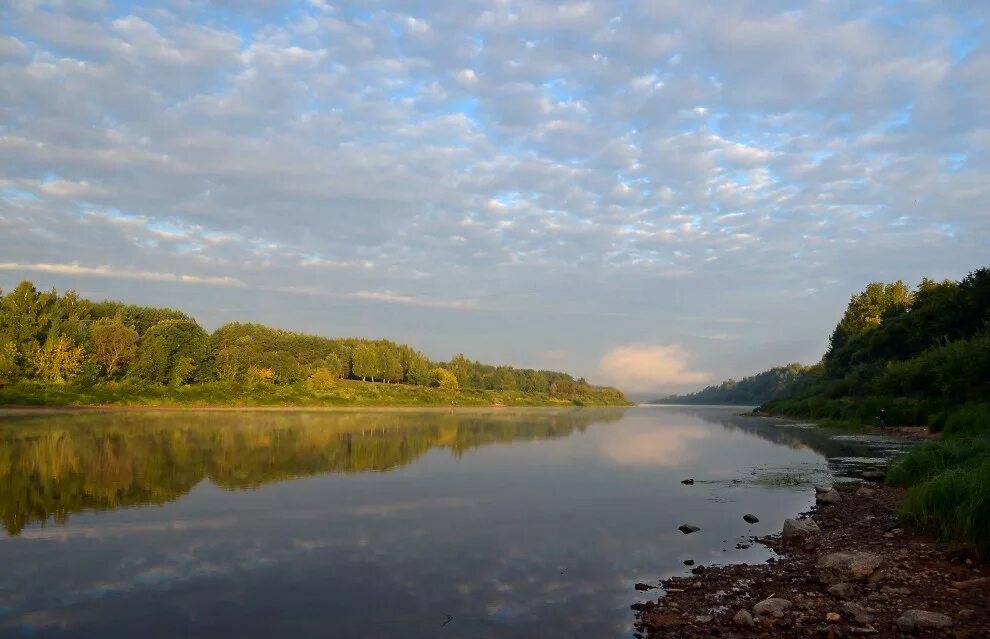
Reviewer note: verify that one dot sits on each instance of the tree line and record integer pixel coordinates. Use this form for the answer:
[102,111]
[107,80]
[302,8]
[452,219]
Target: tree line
[922,355]
[750,391]
[52,339]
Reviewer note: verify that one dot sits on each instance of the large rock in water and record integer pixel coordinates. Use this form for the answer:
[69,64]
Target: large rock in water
[687,529]
[912,619]
[797,529]
[831,497]
[852,565]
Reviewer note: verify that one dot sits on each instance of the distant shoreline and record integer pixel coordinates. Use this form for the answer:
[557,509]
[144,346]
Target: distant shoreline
[14,410]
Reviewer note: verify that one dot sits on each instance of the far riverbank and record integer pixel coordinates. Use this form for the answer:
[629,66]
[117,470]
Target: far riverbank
[345,393]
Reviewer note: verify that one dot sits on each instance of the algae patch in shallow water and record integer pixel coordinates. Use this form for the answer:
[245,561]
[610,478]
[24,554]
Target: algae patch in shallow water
[783,479]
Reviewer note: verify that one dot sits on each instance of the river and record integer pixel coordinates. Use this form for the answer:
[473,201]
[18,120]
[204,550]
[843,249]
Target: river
[376,523]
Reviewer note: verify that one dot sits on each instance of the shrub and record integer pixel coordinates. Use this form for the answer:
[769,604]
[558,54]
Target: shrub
[443,378]
[321,379]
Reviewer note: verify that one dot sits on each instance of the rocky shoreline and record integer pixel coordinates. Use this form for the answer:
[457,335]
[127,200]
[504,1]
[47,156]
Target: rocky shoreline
[846,568]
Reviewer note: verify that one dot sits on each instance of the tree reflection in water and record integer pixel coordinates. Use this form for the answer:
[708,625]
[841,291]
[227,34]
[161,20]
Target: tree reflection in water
[54,465]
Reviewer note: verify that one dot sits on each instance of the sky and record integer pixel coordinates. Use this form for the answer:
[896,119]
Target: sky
[655,194]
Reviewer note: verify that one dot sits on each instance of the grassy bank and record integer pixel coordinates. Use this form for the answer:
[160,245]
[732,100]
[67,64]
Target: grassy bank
[343,393]
[948,480]
[949,488]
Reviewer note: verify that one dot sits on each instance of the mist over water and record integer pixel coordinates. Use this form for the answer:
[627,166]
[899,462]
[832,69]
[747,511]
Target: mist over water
[515,523]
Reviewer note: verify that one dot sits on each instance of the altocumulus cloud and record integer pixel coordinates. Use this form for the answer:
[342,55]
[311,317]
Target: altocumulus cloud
[644,367]
[558,177]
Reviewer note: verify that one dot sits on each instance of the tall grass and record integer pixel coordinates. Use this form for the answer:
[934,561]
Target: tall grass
[949,489]
[934,458]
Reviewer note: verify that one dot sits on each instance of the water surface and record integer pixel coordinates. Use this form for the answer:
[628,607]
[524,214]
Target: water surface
[434,523]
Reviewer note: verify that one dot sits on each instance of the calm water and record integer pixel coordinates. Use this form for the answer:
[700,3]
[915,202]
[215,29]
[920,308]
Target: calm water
[516,523]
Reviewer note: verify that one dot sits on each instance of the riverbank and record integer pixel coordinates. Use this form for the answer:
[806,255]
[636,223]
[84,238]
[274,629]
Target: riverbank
[896,581]
[344,393]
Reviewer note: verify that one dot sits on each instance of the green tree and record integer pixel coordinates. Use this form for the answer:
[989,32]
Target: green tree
[57,361]
[173,352]
[9,365]
[461,367]
[443,378]
[416,368]
[335,365]
[114,344]
[391,363]
[365,361]
[505,378]
[866,310]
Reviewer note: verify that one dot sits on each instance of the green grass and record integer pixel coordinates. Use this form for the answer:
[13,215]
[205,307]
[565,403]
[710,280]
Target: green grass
[949,489]
[344,393]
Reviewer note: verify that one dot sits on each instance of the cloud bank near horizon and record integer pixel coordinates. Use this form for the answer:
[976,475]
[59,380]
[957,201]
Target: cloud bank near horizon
[641,367]
[561,178]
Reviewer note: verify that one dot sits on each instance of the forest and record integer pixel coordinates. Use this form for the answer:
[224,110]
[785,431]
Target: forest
[748,391]
[66,349]
[919,357]
[922,355]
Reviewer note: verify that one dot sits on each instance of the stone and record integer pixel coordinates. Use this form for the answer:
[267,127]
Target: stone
[689,562]
[643,587]
[858,612]
[831,497]
[771,606]
[795,529]
[743,618]
[863,491]
[822,489]
[687,482]
[969,583]
[873,475]
[852,565]
[833,617]
[843,590]
[920,619]
[750,519]
[687,529]
[704,619]
[638,607]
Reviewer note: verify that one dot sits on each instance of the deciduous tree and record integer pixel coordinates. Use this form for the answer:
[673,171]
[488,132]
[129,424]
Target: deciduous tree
[57,361]
[114,344]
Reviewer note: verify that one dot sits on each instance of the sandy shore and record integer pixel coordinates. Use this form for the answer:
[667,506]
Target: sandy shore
[897,582]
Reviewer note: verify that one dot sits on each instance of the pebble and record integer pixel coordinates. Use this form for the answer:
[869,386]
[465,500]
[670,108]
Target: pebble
[751,519]
[687,529]
[833,617]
